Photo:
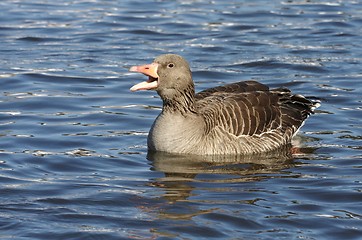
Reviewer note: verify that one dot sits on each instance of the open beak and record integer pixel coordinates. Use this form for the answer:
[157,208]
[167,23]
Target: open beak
[149,70]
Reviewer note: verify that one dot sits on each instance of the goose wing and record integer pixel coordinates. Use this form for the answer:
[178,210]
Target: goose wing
[249,108]
[247,113]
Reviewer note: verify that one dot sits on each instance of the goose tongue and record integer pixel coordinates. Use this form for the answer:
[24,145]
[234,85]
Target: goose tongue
[149,70]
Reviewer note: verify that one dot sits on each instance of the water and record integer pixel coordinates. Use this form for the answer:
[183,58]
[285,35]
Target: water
[73,155]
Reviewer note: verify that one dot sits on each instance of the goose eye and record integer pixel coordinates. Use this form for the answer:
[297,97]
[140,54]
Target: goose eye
[170,65]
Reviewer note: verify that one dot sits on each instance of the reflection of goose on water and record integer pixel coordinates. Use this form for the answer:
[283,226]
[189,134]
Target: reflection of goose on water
[181,171]
[188,166]
[239,118]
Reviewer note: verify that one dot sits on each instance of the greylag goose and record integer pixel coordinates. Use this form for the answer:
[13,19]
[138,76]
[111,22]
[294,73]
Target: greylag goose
[238,118]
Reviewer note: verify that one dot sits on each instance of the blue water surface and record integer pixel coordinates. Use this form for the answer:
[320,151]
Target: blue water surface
[73,155]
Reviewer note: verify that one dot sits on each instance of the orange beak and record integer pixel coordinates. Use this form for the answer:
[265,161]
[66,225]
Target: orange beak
[149,70]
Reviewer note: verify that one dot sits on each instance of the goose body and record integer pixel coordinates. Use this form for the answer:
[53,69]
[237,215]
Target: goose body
[238,118]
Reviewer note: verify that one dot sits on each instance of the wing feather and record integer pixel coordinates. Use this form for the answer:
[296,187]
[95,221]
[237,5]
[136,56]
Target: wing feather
[240,114]
[250,108]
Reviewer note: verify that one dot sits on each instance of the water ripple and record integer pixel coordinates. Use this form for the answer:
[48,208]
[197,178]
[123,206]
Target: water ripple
[73,155]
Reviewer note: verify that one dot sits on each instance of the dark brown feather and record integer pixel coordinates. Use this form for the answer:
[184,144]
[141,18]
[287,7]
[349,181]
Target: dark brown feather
[249,108]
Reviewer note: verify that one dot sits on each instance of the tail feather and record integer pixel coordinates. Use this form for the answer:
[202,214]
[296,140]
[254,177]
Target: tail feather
[305,105]
[295,108]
